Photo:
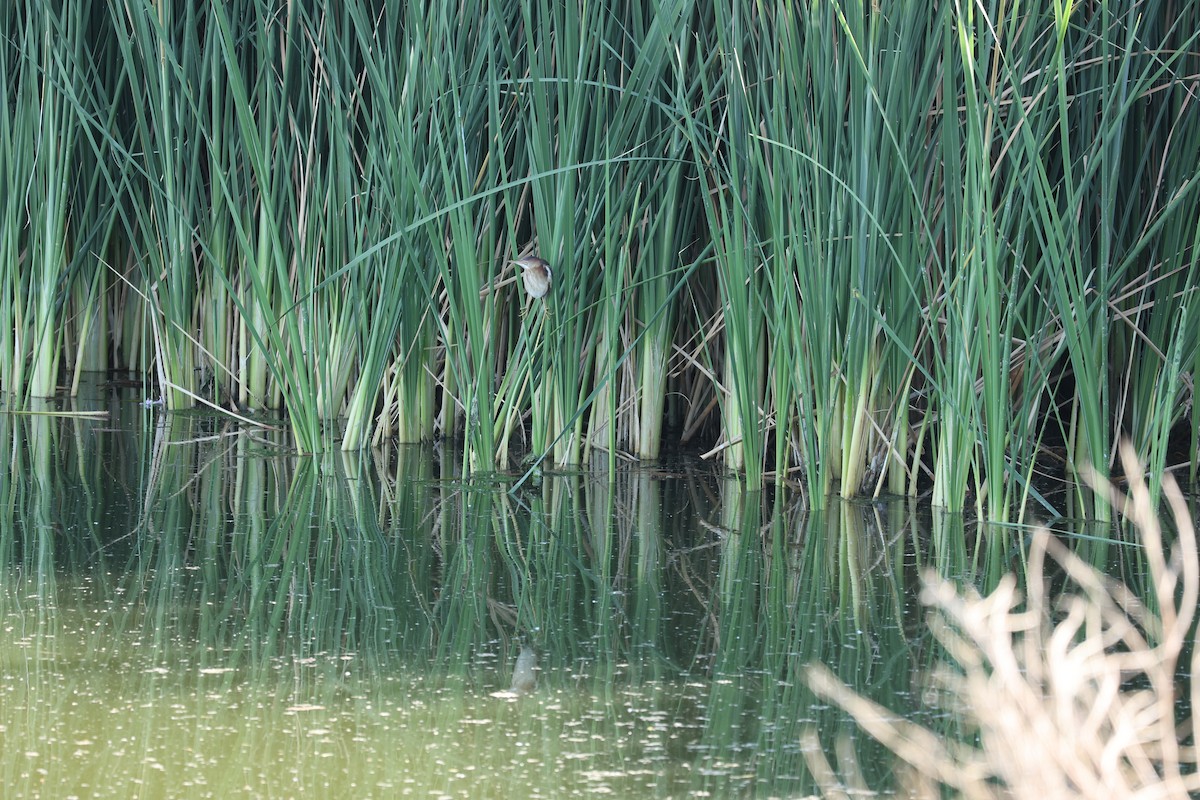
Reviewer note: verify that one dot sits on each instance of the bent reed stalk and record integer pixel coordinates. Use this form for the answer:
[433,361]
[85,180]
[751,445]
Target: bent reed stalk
[883,247]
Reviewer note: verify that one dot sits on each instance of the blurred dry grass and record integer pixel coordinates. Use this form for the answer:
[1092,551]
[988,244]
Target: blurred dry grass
[1071,695]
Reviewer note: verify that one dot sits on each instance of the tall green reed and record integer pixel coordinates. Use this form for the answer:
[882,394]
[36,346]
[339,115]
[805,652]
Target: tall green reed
[164,192]
[873,246]
[46,239]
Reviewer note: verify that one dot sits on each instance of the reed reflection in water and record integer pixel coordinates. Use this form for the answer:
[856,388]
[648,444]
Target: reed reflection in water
[187,607]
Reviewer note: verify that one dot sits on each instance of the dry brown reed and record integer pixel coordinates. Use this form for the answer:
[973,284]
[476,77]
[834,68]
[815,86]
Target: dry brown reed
[1059,694]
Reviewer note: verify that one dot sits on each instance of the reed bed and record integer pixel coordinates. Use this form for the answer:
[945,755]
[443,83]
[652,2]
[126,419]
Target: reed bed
[870,247]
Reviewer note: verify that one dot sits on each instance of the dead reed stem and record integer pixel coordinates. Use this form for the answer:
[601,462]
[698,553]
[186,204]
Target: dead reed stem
[1061,695]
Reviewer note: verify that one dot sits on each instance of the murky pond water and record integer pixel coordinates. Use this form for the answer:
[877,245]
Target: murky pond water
[189,610]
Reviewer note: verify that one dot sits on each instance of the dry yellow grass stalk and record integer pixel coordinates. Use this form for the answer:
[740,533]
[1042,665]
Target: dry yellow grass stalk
[1071,695]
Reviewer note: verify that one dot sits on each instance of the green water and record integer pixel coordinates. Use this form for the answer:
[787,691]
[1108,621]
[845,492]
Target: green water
[188,609]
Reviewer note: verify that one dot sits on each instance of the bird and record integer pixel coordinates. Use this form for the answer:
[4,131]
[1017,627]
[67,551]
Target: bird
[536,274]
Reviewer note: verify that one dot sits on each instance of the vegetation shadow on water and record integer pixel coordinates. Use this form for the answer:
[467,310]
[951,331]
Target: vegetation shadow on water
[190,609]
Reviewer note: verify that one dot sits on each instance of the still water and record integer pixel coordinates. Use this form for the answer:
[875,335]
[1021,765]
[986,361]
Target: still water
[188,609]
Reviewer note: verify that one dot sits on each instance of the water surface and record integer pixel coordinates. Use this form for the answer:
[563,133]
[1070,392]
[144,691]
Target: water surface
[189,609]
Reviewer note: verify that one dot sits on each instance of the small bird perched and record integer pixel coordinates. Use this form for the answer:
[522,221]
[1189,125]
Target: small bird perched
[535,272]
